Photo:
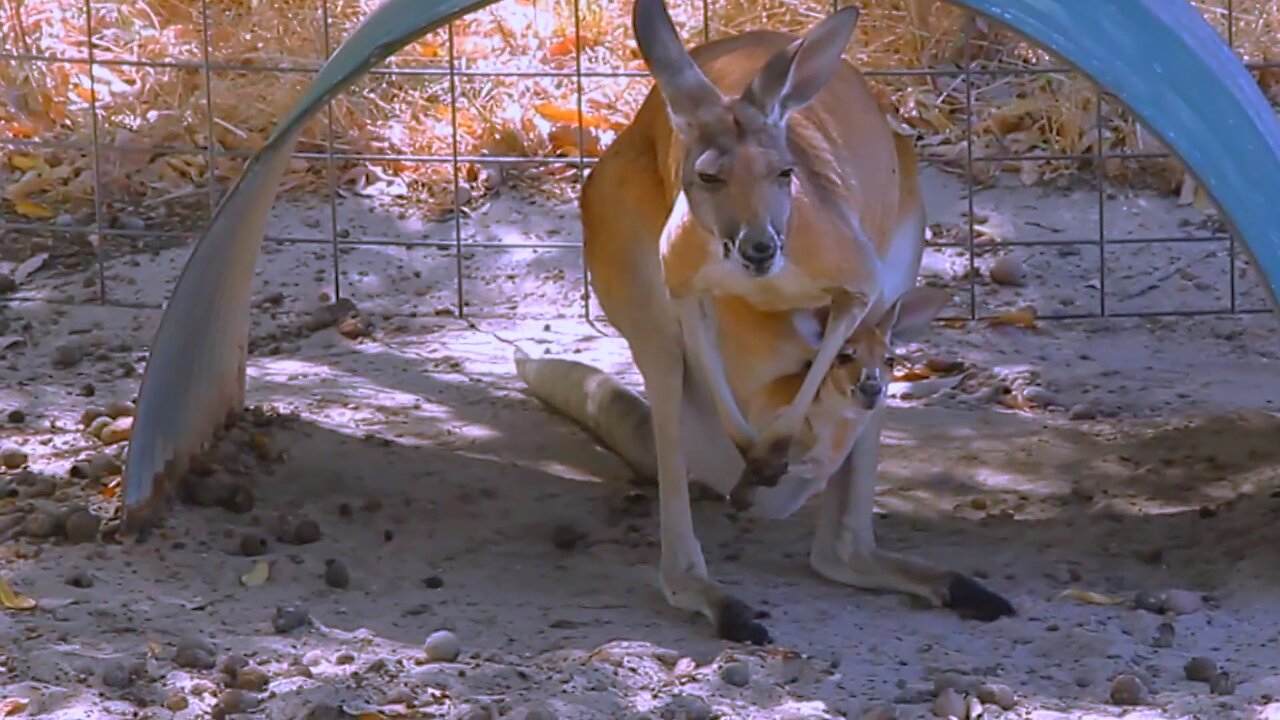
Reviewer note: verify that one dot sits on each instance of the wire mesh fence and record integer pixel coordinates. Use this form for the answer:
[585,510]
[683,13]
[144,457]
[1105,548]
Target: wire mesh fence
[126,123]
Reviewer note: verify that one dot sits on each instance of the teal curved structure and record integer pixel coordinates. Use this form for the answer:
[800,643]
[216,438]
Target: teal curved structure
[1160,57]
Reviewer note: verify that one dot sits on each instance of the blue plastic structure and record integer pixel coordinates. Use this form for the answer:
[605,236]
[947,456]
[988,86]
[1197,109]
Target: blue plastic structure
[1158,56]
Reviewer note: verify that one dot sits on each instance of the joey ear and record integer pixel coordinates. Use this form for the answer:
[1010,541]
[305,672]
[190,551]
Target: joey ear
[687,92]
[796,73]
[913,311]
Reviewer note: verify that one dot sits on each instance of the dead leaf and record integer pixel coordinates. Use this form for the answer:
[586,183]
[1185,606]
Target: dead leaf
[1023,317]
[110,490]
[569,116]
[33,210]
[12,599]
[257,575]
[1091,597]
[1187,194]
[24,162]
[13,706]
[28,267]
[562,47]
[911,374]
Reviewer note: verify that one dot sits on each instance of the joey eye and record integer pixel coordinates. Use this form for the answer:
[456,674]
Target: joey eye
[709,179]
[786,173]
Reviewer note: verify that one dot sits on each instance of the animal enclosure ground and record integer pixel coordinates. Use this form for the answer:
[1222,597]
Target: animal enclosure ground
[1118,456]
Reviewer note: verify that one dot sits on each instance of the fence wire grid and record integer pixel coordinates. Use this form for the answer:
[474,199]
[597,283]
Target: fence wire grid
[102,230]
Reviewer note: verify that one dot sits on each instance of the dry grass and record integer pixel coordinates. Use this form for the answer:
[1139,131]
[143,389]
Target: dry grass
[144,108]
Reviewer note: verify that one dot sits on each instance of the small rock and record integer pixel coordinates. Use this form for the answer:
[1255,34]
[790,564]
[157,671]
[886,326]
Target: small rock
[97,466]
[335,574]
[81,579]
[1082,411]
[346,657]
[1008,270]
[1164,636]
[119,409]
[1039,396]
[232,702]
[972,707]
[301,671]
[304,532]
[686,707]
[91,413]
[82,526]
[442,646]
[1149,601]
[176,701]
[117,430]
[1182,602]
[737,674]
[1128,690]
[1200,669]
[252,545]
[997,694]
[949,704]
[914,693]
[117,674]
[879,712]
[68,355]
[1222,684]
[194,654]
[539,712]
[433,582]
[353,327]
[233,664]
[289,618]
[42,523]
[7,283]
[565,536]
[16,417]
[13,457]
[238,499]
[252,679]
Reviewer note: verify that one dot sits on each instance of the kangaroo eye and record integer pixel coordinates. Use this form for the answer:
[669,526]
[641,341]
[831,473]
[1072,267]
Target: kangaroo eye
[786,173]
[709,179]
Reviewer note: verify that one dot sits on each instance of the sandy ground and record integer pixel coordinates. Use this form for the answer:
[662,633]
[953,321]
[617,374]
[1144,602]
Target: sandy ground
[452,501]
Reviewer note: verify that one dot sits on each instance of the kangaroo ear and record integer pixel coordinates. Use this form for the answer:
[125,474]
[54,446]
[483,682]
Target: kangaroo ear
[687,92]
[913,311]
[796,73]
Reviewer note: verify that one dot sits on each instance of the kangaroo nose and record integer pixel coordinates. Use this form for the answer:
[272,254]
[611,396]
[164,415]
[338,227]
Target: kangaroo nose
[758,251]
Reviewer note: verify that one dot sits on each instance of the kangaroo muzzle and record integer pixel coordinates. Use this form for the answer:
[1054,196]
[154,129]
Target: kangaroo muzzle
[758,250]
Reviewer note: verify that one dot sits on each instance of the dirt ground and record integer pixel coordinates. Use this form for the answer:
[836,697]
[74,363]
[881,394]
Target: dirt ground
[1075,466]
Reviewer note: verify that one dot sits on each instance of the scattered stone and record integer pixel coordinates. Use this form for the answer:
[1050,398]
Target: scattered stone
[565,536]
[433,582]
[879,712]
[1165,635]
[13,457]
[1149,601]
[68,355]
[354,327]
[997,694]
[117,430]
[16,417]
[949,704]
[194,654]
[289,618]
[1082,411]
[43,523]
[233,702]
[91,413]
[82,526]
[295,670]
[914,693]
[346,657]
[686,707]
[176,701]
[118,674]
[1182,602]
[540,712]
[1008,270]
[1200,669]
[1222,684]
[7,283]
[442,646]
[737,674]
[1040,397]
[335,574]
[233,664]
[97,466]
[973,708]
[80,579]
[1127,689]
[304,532]
[251,679]
[252,545]
[238,499]
[119,409]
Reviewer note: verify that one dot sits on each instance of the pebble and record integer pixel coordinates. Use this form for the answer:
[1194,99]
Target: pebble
[42,523]
[540,712]
[194,654]
[1222,684]
[997,694]
[252,545]
[565,536]
[1200,669]
[1039,396]
[737,674]
[117,674]
[1082,411]
[305,532]
[1008,270]
[13,457]
[879,712]
[82,526]
[1149,601]
[16,417]
[233,702]
[442,646]
[7,283]
[346,657]
[1128,690]
[433,582]
[80,579]
[686,707]
[68,355]
[238,499]
[1182,602]
[252,679]
[289,618]
[335,574]
[949,704]
[1165,634]
[117,430]
[175,701]
[119,409]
